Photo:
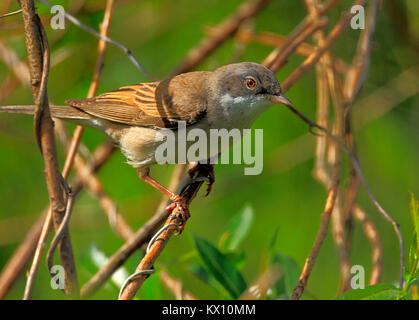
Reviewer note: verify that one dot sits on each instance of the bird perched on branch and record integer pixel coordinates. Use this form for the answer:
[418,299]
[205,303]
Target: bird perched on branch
[232,96]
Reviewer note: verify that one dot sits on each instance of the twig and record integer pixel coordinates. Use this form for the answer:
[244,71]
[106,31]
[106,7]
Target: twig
[38,58]
[92,183]
[23,253]
[221,33]
[262,284]
[321,234]
[140,238]
[312,59]
[156,247]
[372,234]
[327,65]
[11,13]
[279,56]
[19,68]
[366,110]
[72,149]
[127,51]
[175,286]
[357,167]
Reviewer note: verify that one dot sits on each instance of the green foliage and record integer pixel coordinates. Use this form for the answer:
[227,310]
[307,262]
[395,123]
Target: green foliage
[290,273]
[160,33]
[375,292]
[221,267]
[237,229]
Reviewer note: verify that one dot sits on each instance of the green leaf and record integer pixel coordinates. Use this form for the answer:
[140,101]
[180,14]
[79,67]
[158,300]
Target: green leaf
[414,246]
[290,273]
[221,267]
[237,229]
[375,292]
[203,274]
[238,258]
[414,211]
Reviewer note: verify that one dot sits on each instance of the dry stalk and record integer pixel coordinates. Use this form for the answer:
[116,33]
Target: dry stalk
[72,150]
[221,33]
[38,58]
[175,286]
[372,234]
[142,235]
[321,234]
[188,194]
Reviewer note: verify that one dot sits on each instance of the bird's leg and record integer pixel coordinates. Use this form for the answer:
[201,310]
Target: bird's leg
[183,208]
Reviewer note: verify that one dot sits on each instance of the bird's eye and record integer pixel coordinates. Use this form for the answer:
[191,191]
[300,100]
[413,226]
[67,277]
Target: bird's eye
[251,82]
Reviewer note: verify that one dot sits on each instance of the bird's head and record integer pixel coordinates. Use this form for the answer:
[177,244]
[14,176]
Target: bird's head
[247,82]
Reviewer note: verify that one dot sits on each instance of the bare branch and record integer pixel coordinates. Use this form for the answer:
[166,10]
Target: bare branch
[221,33]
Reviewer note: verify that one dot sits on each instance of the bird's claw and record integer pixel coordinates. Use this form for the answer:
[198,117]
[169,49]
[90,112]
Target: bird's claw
[183,212]
[209,178]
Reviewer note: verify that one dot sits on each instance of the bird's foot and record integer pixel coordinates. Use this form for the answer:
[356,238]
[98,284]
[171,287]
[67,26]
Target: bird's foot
[206,173]
[182,211]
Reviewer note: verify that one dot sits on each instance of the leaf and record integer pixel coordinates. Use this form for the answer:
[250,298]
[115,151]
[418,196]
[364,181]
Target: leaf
[238,258]
[375,292]
[291,272]
[414,247]
[203,274]
[221,267]
[237,229]
[414,211]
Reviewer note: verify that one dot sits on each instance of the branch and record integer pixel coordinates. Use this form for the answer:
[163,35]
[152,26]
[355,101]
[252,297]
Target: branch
[102,37]
[38,58]
[156,247]
[372,234]
[329,41]
[321,235]
[139,239]
[221,33]
[175,286]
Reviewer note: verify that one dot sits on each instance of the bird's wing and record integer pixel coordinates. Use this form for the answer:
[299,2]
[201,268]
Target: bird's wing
[145,104]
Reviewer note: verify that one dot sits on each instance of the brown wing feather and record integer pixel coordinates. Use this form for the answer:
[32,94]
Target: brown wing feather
[159,104]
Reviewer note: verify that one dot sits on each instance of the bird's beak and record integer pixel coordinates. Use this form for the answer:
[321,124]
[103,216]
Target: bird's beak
[280,99]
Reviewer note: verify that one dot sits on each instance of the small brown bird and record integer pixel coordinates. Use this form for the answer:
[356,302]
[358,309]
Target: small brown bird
[232,96]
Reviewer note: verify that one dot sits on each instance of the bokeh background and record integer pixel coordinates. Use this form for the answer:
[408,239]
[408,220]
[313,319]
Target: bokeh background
[285,198]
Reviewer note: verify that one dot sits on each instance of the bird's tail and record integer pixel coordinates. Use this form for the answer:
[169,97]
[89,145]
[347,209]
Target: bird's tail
[62,112]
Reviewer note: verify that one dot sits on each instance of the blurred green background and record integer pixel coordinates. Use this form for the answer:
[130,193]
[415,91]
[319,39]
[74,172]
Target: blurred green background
[285,197]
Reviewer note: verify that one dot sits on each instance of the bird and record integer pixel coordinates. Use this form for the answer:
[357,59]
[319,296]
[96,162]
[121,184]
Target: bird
[231,96]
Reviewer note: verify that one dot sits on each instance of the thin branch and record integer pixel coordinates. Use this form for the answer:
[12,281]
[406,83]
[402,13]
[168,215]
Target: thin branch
[329,41]
[374,238]
[11,13]
[154,250]
[358,169]
[92,183]
[38,58]
[23,253]
[139,239]
[277,58]
[221,33]
[127,51]
[321,234]
[72,149]
[175,286]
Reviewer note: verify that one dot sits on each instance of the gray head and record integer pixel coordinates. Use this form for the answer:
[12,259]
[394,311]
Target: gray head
[248,80]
